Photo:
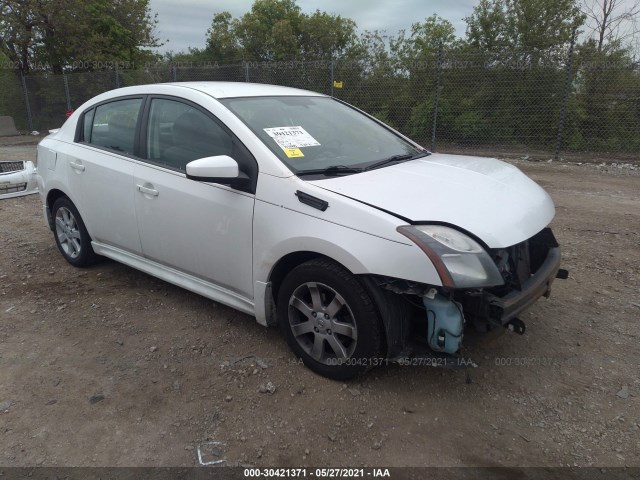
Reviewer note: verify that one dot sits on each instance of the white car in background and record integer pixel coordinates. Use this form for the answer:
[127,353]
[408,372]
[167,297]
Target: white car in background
[302,211]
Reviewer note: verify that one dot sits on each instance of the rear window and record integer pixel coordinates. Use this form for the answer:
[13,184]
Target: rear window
[114,125]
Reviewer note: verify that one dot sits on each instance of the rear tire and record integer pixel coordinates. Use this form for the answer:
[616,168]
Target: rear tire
[329,320]
[71,235]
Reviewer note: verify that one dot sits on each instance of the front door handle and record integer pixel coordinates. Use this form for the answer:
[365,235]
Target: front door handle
[148,191]
[77,166]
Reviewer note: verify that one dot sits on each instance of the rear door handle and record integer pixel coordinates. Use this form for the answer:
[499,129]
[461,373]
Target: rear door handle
[77,166]
[147,191]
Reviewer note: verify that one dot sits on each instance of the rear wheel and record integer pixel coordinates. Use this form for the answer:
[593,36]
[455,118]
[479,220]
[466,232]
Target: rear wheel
[329,320]
[71,235]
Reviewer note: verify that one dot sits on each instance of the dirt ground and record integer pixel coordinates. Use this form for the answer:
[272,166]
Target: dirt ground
[111,367]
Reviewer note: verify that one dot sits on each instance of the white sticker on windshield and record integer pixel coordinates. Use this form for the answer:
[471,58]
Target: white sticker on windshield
[291,137]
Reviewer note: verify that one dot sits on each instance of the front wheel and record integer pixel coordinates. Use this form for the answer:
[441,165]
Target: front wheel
[329,320]
[71,235]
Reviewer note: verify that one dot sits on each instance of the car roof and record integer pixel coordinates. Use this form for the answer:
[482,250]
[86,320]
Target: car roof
[242,89]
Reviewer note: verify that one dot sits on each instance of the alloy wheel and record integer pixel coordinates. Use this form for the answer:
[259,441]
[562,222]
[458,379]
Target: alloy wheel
[322,323]
[68,232]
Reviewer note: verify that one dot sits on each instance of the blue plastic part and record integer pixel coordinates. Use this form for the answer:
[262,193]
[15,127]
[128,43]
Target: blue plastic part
[445,323]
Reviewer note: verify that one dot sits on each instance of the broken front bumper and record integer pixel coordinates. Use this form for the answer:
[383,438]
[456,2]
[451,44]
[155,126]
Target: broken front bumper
[538,285]
[536,265]
[17,178]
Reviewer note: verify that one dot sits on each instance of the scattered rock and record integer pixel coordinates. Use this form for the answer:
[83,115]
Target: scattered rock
[261,363]
[52,402]
[624,392]
[354,391]
[228,398]
[153,349]
[377,445]
[332,436]
[95,399]
[6,405]
[267,388]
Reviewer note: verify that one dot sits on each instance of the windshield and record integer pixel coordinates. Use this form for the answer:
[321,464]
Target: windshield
[315,133]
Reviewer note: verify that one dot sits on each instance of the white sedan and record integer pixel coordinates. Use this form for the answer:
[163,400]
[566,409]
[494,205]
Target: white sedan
[302,211]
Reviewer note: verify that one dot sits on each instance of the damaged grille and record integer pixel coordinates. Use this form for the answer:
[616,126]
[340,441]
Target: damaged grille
[13,188]
[8,167]
[518,262]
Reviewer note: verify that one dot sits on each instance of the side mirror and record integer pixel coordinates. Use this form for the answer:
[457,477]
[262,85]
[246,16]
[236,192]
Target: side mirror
[219,169]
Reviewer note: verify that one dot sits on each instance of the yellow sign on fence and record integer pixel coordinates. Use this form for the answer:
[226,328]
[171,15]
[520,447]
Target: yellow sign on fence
[337,84]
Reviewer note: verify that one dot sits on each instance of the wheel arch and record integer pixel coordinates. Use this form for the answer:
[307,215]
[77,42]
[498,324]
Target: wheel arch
[393,311]
[53,195]
[266,291]
[287,263]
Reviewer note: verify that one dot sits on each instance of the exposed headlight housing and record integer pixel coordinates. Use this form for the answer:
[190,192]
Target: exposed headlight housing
[460,261]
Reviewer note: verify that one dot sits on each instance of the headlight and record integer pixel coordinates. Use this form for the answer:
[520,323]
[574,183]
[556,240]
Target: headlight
[460,261]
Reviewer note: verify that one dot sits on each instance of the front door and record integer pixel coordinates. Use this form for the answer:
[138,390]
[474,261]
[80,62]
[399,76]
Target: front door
[198,228]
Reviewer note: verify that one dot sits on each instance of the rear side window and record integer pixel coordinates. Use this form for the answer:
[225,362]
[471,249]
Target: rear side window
[114,125]
[86,125]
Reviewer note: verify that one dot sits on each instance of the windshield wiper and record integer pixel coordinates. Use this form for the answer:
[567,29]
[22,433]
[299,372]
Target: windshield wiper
[395,159]
[332,171]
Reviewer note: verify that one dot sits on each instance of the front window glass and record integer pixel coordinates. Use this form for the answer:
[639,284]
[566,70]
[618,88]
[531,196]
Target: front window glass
[179,133]
[311,133]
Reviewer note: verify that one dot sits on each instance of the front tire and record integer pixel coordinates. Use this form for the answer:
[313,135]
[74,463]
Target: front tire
[71,235]
[329,320]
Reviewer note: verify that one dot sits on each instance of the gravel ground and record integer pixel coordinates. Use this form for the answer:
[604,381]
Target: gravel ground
[110,367]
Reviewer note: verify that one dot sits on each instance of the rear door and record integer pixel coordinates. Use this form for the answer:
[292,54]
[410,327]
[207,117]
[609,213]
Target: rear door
[100,172]
[202,229]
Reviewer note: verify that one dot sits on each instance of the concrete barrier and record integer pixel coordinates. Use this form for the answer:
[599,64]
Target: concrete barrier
[7,127]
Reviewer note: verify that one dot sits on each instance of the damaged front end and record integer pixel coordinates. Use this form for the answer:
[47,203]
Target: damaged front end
[17,178]
[483,289]
[528,270]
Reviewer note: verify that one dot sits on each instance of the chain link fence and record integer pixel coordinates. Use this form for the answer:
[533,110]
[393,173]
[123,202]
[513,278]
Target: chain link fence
[518,105]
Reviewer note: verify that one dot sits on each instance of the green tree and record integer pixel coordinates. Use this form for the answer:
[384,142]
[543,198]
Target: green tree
[605,111]
[425,40]
[56,35]
[326,36]
[525,30]
[271,30]
[278,30]
[222,41]
[415,57]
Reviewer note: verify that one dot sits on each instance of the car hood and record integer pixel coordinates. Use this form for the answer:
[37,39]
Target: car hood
[491,199]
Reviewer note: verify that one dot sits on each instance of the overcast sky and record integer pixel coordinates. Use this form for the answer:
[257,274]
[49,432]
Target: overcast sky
[185,22]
